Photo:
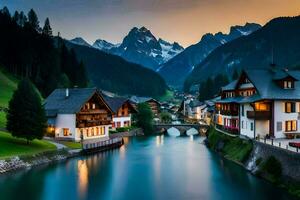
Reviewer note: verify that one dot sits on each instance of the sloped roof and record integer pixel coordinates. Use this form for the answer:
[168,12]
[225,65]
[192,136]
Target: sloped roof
[136,99]
[115,103]
[195,103]
[57,102]
[263,80]
[230,86]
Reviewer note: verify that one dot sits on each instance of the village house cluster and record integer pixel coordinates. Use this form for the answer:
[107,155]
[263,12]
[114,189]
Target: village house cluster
[86,113]
[261,103]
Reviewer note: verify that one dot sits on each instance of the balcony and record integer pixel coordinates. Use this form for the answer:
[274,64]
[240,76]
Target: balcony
[259,115]
[91,123]
[229,112]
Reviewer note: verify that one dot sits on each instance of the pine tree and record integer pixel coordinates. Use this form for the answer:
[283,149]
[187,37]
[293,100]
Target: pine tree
[47,30]
[5,11]
[33,20]
[26,116]
[16,17]
[235,74]
[22,19]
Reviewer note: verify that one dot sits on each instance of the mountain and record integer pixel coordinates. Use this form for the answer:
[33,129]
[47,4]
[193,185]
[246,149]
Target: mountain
[113,73]
[80,41]
[141,46]
[278,39]
[104,45]
[176,69]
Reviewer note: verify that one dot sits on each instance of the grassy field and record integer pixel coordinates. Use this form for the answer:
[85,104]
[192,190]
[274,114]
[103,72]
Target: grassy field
[8,84]
[71,145]
[167,97]
[2,120]
[11,146]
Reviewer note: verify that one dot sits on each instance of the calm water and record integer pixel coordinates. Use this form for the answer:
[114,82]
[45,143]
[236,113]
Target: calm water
[144,168]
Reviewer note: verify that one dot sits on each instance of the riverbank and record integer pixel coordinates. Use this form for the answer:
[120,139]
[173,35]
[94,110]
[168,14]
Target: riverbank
[23,156]
[278,166]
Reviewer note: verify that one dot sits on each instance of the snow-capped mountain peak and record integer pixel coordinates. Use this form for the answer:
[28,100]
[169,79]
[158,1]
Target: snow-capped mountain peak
[104,45]
[80,41]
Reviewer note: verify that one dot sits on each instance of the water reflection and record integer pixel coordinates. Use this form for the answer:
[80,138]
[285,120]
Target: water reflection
[144,168]
[159,140]
[83,178]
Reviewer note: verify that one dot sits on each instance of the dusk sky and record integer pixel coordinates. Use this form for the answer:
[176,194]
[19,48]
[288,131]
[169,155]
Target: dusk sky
[184,21]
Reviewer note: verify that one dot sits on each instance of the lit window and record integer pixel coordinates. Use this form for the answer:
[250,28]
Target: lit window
[94,106]
[291,125]
[262,107]
[66,131]
[287,84]
[290,107]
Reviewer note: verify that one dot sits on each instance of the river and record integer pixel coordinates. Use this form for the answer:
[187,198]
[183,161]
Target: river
[157,167]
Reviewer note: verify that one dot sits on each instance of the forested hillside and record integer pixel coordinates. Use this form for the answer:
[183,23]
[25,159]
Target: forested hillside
[113,73]
[278,41]
[27,50]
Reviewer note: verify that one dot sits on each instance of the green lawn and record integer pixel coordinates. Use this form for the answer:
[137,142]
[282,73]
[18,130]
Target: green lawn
[167,97]
[11,146]
[2,120]
[8,84]
[71,145]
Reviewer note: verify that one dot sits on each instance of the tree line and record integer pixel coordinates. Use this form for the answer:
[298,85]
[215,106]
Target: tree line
[29,51]
[210,88]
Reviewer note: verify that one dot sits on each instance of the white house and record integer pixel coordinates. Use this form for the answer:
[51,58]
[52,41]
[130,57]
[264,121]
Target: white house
[122,109]
[262,102]
[79,113]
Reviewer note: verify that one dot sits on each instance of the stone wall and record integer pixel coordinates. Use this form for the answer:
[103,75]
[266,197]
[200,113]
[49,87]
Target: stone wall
[290,161]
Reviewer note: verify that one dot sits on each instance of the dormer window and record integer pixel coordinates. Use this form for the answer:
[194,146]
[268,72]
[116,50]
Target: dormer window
[288,84]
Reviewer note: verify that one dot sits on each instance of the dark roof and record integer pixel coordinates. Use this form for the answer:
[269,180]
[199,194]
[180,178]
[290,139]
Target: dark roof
[136,99]
[57,102]
[195,103]
[230,86]
[263,81]
[115,102]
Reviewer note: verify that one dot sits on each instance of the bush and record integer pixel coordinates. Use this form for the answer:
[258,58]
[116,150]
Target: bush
[273,167]
[234,148]
[258,161]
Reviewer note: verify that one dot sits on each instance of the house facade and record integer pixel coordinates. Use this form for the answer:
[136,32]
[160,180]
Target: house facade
[123,111]
[261,103]
[79,113]
[153,103]
[193,109]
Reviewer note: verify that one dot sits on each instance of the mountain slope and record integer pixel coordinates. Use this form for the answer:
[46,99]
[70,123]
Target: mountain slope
[80,41]
[141,46]
[280,36]
[176,69]
[113,73]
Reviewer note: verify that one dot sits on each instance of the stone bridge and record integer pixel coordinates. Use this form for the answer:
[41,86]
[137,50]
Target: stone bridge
[202,128]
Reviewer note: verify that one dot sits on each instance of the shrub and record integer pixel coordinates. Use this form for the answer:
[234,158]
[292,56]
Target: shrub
[273,167]
[258,161]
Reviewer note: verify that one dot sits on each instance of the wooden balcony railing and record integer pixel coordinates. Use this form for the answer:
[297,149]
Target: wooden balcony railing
[229,112]
[91,123]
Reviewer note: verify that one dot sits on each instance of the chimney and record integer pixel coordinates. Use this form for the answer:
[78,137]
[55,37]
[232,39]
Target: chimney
[67,92]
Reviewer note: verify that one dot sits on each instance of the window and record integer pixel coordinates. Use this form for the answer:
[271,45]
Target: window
[279,126]
[242,124]
[243,110]
[252,126]
[118,124]
[288,84]
[94,106]
[291,125]
[97,130]
[262,107]
[102,130]
[290,107]
[66,131]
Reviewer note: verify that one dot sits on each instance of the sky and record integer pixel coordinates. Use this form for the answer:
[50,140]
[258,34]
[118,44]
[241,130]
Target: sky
[183,21]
